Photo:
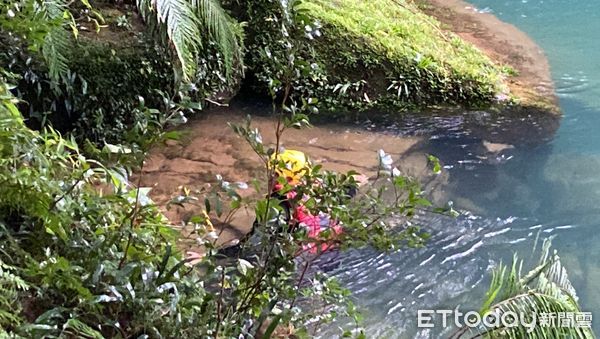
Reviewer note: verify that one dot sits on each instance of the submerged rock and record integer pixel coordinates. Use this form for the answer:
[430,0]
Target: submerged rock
[496,147]
[574,180]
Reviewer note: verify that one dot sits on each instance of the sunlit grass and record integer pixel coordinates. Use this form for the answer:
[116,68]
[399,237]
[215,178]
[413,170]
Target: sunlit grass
[397,32]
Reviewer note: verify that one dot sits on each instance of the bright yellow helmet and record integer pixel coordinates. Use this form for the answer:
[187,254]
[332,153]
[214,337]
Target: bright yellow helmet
[296,165]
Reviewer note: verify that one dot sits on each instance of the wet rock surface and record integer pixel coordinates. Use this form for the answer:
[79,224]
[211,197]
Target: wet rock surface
[210,148]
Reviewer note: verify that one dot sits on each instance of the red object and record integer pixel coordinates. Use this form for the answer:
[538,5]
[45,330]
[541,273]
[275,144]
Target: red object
[315,225]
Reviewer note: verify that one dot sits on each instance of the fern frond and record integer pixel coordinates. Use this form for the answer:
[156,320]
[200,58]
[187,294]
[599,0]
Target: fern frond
[220,28]
[177,21]
[7,277]
[10,285]
[81,330]
[50,9]
[53,15]
[56,42]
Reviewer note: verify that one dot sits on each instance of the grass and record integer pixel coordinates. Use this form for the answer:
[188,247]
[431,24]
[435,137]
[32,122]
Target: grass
[396,36]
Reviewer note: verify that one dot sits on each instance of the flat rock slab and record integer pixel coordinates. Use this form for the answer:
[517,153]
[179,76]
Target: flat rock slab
[210,147]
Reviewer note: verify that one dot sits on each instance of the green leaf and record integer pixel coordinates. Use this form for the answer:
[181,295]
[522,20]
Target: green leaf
[437,168]
[176,20]
[243,266]
[79,329]
[272,326]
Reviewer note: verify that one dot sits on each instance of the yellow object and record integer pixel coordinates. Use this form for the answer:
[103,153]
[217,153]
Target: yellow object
[209,223]
[296,165]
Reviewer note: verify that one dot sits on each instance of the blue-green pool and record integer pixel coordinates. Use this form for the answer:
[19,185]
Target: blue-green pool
[530,193]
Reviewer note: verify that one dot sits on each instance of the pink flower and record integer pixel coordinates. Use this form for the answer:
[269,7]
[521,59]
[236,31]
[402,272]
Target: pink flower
[194,258]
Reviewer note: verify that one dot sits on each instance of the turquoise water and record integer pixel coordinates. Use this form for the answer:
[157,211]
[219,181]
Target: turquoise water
[511,201]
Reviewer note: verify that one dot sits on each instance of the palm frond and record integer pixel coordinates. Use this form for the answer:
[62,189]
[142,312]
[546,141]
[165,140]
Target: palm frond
[557,275]
[56,42]
[532,304]
[182,23]
[544,290]
[177,21]
[220,27]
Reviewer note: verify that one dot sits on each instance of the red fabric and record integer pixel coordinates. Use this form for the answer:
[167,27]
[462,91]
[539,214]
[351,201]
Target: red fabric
[313,225]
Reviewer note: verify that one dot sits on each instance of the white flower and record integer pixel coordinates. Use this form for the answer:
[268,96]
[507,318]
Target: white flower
[212,235]
[385,160]
[243,266]
[183,118]
[256,136]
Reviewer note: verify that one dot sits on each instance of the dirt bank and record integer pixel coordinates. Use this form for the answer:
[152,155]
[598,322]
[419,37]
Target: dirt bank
[505,44]
[212,148]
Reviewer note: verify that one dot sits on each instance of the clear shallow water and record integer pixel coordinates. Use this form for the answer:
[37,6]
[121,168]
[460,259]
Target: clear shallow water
[515,199]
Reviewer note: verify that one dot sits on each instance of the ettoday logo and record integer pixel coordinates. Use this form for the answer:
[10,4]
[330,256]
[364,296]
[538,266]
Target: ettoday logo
[497,319]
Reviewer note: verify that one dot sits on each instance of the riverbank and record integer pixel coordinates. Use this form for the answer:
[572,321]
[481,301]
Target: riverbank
[504,43]
[377,58]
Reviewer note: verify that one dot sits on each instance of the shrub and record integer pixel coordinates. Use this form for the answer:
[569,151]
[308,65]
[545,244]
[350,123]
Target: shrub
[85,253]
[378,55]
[107,76]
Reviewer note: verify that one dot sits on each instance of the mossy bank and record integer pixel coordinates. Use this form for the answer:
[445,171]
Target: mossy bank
[385,55]
[530,83]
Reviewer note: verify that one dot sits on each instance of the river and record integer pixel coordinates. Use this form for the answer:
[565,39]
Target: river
[511,200]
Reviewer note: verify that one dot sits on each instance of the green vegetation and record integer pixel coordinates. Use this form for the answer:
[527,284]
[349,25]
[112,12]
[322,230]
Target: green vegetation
[100,98]
[545,289]
[186,25]
[92,83]
[377,56]
[84,252]
[82,256]
[381,54]
[399,32]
